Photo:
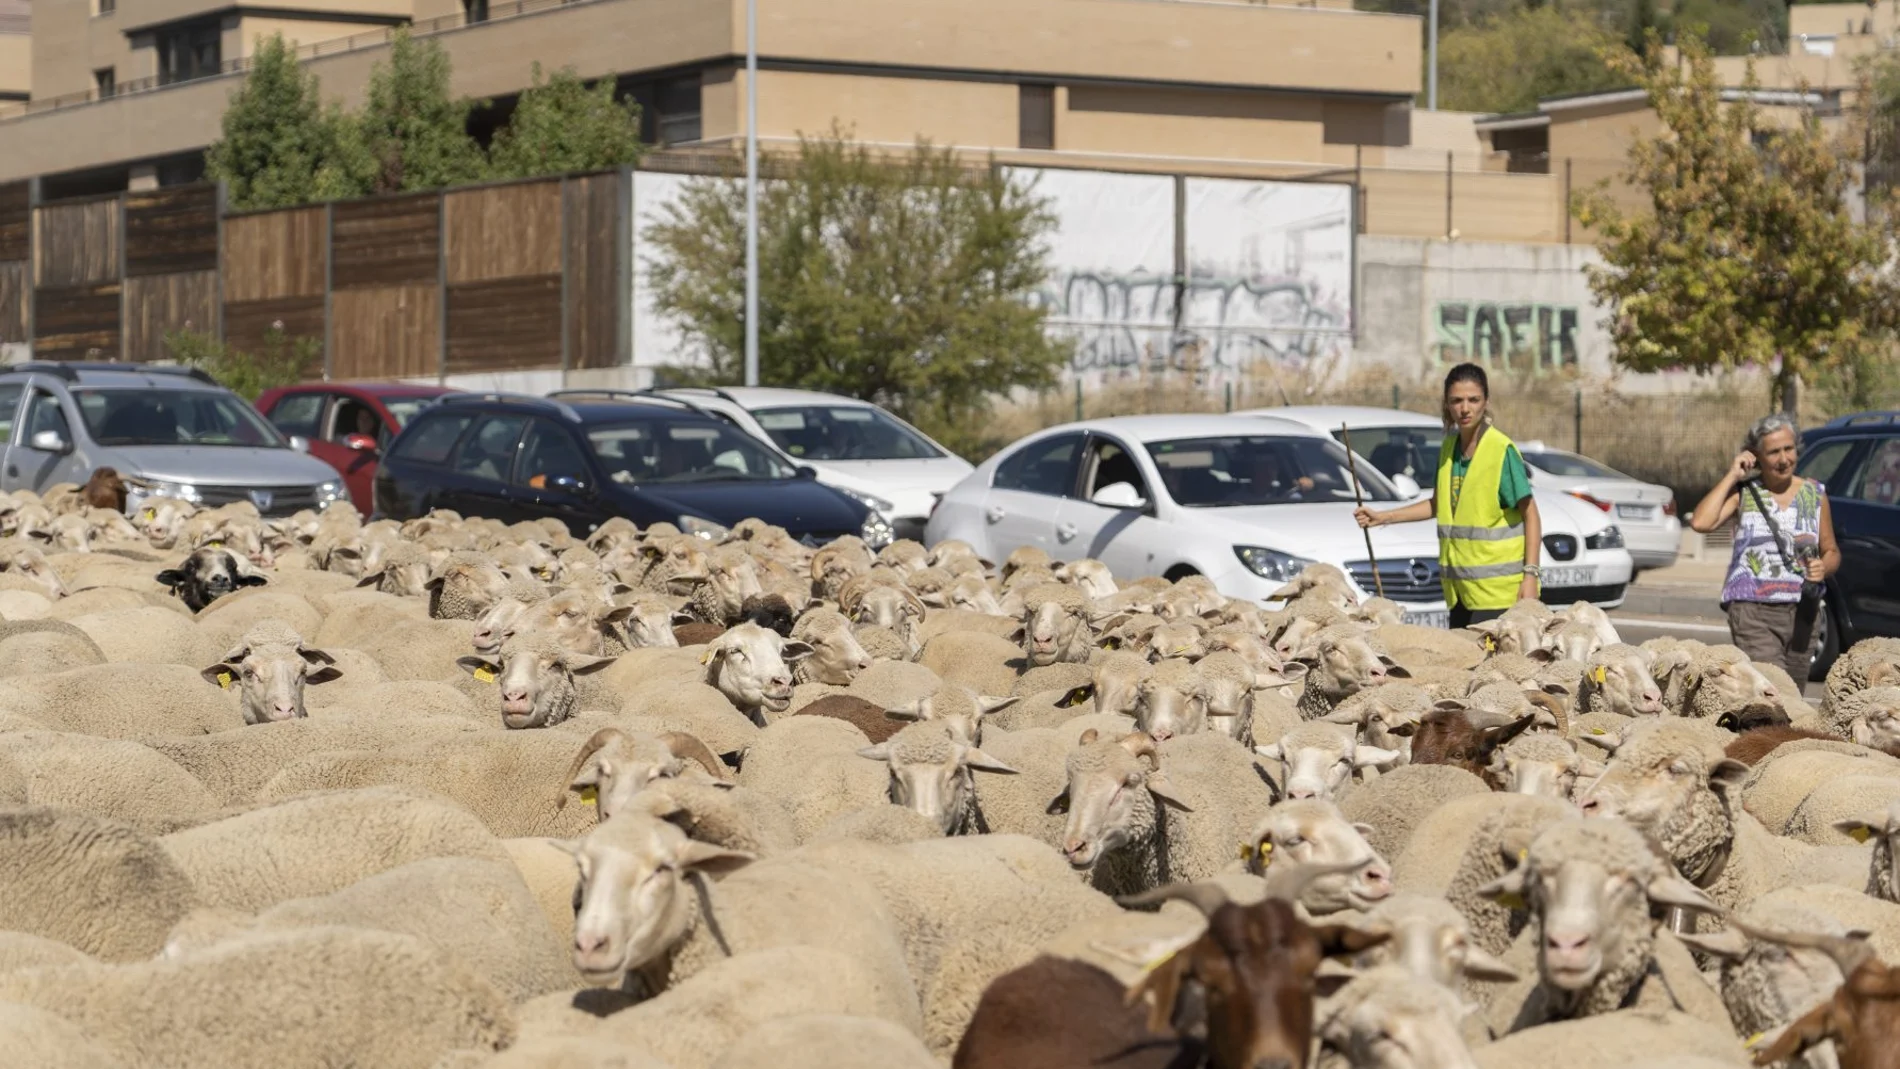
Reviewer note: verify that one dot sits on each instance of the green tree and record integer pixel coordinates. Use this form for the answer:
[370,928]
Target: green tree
[281,145]
[563,125]
[281,361]
[1744,252]
[411,133]
[903,280]
[1508,62]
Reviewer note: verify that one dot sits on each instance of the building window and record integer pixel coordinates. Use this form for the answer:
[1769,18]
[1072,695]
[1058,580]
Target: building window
[678,101]
[474,11]
[1036,126]
[107,7]
[104,82]
[191,51]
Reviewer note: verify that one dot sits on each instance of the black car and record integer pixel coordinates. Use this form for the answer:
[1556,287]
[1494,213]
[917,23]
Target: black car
[1858,458]
[513,458]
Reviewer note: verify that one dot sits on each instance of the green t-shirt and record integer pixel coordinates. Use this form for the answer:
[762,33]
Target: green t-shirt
[1514,483]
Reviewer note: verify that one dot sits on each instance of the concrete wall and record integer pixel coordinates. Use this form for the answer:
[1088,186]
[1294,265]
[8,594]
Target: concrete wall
[16,64]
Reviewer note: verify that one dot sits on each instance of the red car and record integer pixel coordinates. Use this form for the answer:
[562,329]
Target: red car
[348,425]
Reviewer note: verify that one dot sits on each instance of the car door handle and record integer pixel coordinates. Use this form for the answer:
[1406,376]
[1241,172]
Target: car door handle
[995,514]
[1066,532]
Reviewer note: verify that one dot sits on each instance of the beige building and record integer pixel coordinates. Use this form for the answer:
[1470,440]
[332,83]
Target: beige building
[16,52]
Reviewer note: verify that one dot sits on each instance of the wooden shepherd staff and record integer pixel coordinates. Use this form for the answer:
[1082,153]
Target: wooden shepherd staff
[1352,465]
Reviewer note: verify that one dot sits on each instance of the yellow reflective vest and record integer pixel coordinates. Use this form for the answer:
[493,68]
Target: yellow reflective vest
[1480,543]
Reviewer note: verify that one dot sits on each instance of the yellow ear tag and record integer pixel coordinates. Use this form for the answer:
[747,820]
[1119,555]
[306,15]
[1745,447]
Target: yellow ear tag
[1111,643]
[149,514]
[1597,674]
[214,545]
[224,680]
[484,675]
[1511,900]
[1490,642]
[1266,853]
[1246,851]
[1750,1042]
[590,795]
[1861,834]
[706,658]
[1598,731]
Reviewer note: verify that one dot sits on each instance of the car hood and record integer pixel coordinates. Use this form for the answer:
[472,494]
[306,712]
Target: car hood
[219,465]
[1318,530]
[940,473]
[1623,490]
[798,505]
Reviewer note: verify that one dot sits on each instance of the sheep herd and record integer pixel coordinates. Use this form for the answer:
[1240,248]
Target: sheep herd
[452,793]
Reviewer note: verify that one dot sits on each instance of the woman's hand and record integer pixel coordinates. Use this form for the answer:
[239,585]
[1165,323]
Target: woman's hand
[1817,570]
[1528,589]
[1743,466]
[1367,517]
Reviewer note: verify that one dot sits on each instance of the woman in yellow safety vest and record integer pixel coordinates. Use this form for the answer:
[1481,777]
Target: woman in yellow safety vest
[1489,534]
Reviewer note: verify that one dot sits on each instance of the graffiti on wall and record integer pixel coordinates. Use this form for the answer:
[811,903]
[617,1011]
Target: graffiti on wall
[1521,336]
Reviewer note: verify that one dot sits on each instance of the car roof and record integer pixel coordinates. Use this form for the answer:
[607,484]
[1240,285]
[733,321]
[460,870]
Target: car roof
[1329,417]
[749,397]
[1858,420]
[1196,425]
[77,374]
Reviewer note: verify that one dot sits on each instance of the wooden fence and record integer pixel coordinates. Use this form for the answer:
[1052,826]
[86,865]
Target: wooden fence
[509,277]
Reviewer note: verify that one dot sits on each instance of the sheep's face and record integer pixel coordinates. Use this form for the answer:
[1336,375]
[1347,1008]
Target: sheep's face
[405,576]
[631,904]
[1584,911]
[971,594]
[1734,684]
[895,609]
[1166,707]
[1404,1023]
[837,656]
[1669,788]
[751,667]
[731,577]
[270,678]
[471,586]
[650,623]
[24,520]
[830,571]
[1345,666]
[1110,797]
[1251,647]
[621,768]
[496,626]
[162,521]
[1091,577]
[1177,638]
[1314,833]
[1539,774]
[944,553]
[106,525]
[1877,725]
[1049,630]
[1431,944]
[26,561]
[1514,632]
[930,772]
[1230,694]
[205,576]
[1626,686]
[1317,760]
[1573,641]
[535,679]
[68,534]
[906,556]
[573,619]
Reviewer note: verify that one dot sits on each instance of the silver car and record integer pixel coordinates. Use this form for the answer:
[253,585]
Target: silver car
[167,431]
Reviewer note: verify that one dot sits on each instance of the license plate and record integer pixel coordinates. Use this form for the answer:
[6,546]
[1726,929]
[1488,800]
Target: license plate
[1439,618]
[1569,576]
[1635,512]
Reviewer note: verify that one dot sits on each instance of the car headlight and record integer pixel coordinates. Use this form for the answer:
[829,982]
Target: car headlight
[150,488]
[877,532]
[1271,563]
[1608,538]
[703,528]
[329,492]
[871,501]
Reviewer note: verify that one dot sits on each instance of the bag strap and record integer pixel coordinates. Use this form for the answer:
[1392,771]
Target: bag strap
[1773,528]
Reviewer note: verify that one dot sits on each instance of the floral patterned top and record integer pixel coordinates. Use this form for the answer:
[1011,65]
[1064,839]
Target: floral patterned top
[1756,572]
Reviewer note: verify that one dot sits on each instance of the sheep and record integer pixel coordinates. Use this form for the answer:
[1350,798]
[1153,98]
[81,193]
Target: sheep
[876,722]
[722,814]
[958,708]
[718,596]
[1860,1018]
[1317,760]
[1376,711]
[1541,764]
[1869,662]
[1764,984]
[836,564]
[1396,802]
[1313,832]
[751,667]
[534,675]
[1883,880]
[113,778]
[1338,667]
[1589,885]
[1519,630]
[270,666]
[205,576]
[1301,620]
[465,585]
[1055,625]
[1718,680]
[124,701]
[1170,700]
[576,620]
[1448,736]
[1387,1018]
[1625,1039]
[90,882]
[1617,680]
[650,620]
[812,766]
[24,560]
[836,658]
[1431,941]
[930,773]
[1178,639]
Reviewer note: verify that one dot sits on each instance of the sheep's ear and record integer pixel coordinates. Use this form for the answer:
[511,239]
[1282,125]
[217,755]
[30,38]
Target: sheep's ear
[1271,751]
[483,669]
[1507,890]
[1076,696]
[1394,669]
[1375,757]
[170,577]
[710,859]
[434,584]
[1016,633]
[311,655]
[619,614]
[1058,804]
[880,752]
[370,580]
[582,665]
[1480,965]
[986,705]
[1289,673]
[1350,717]
[796,651]
[1858,830]
[1555,690]
[323,675]
[1404,729]
[1728,944]
[223,674]
[1161,787]
[1672,890]
[680,616]
[1728,775]
[982,762]
[909,711]
[1541,655]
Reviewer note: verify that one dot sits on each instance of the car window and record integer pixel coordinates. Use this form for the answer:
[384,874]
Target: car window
[1878,481]
[548,453]
[1111,464]
[1231,470]
[682,451]
[157,416]
[350,416]
[404,409]
[1045,466]
[842,432]
[9,408]
[434,439]
[1827,463]
[299,413]
[1409,451]
[1569,465]
[43,413]
[488,451]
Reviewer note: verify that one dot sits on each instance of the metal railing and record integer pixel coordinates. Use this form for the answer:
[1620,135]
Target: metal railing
[499,12]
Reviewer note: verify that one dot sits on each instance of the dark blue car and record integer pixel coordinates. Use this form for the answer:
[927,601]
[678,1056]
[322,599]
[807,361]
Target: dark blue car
[514,458]
[1858,458]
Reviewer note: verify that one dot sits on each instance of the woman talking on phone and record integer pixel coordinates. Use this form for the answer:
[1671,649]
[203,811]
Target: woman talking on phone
[1784,547]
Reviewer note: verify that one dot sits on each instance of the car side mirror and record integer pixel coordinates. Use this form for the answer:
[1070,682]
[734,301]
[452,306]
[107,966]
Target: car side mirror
[1407,486]
[51,442]
[806,471]
[362,443]
[300,443]
[567,484]
[1120,496]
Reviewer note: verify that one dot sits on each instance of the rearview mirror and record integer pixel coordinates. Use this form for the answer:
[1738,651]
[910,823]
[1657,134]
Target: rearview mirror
[51,442]
[362,443]
[1407,486]
[300,443]
[1120,496]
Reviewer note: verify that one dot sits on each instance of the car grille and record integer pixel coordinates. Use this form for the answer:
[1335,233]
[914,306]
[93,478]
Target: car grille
[1414,579]
[283,500]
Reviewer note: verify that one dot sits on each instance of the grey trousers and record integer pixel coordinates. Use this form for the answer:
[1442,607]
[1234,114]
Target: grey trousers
[1765,630]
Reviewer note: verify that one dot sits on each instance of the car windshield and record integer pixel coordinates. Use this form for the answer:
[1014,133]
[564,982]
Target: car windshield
[1411,451]
[173,417]
[843,432]
[403,409]
[1569,465]
[666,451]
[1262,470]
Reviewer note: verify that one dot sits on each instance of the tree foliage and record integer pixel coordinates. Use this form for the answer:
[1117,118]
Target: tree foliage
[563,125]
[413,134]
[899,280]
[282,361]
[1743,252]
[281,145]
[1508,62]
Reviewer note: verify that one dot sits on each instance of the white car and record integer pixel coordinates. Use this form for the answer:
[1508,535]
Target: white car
[853,445]
[1247,503]
[1584,557]
[1644,512]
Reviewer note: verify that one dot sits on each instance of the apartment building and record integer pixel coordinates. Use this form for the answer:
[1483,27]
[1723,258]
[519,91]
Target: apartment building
[16,52]
[126,94]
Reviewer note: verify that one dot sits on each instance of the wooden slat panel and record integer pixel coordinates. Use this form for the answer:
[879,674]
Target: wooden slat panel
[245,322]
[77,323]
[273,255]
[594,300]
[77,244]
[14,294]
[390,241]
[158,304]
[505,325]
[385,333]
[16,220]
[171,230]
[503,232]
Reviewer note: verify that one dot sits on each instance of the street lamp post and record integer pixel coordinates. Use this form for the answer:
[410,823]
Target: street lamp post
[752,192]
[1431,60]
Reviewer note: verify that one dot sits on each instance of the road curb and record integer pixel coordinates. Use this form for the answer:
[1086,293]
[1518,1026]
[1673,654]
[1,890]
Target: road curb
[1686,603]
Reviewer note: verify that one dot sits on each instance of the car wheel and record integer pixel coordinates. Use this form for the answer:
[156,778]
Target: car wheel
[1180,572]
[1828,644]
